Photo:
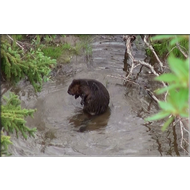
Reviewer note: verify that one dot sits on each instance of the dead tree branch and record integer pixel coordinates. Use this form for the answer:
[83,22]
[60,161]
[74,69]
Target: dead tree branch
[182,138]
[128,40]
[152,49]
[16,42]
[180,49]
[151,94]
[135,63]
[178,46]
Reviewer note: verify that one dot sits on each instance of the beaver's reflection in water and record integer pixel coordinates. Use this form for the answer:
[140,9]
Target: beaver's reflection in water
[85,122]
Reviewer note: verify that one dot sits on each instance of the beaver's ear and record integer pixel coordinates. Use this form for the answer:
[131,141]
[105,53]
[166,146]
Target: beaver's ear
[76,81]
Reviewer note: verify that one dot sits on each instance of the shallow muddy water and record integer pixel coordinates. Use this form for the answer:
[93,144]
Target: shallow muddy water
[63,128]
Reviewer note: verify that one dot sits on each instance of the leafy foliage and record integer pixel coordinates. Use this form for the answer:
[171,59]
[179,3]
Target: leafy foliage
[165,43]
[16,64]
[13,120]
[5,141]
[176,104]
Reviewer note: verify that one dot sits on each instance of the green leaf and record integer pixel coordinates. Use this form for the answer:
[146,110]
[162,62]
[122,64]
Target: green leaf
[179,99]
[168,77]
[184,114]
[161,37]
[160,115]
[167,123]
[186,64]
[178,67]
[167,106]
[177,38]
[170,87]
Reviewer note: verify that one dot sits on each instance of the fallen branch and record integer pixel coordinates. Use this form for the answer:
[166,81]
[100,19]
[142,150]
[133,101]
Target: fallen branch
[152,49]
[135,63]
[128,40]
[179,47]
[16,42]
[150,93]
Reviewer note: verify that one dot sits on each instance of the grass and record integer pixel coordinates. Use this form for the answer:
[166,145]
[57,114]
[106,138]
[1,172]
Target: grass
[19,37]
[55,52]
[85,43]
[64,52]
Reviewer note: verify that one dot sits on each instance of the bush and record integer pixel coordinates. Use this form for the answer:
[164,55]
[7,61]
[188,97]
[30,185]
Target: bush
[17,64]
[164,45]
[13,120]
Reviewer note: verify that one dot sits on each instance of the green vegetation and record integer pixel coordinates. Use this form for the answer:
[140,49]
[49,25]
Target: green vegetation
[176,104]
[18,37]
[13,120]
[164,46]
[85,44]
[30,57]
[64,51]
[17,64]
[55,52]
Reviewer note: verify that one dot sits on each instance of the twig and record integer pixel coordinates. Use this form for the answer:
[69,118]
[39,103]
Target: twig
[153,71]
[136,63]
[123,78]
[180,49]
[128,40]
[148,65]
[181,143]
[152,49]
[185,125]
[184,54]
[150,93]
[16,42]
[170,51]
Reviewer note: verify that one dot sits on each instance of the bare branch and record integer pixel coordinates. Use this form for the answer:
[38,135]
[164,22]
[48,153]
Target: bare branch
[179,47]
[152,49]
[149,66]
[151,94]
[181,143]
[123,78]
[135,63]
[128,40]
[170,51]
[16,42]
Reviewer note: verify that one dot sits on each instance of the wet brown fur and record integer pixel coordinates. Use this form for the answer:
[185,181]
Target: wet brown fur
[94,95]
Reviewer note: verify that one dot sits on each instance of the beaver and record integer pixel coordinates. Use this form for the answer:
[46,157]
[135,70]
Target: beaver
[94,95]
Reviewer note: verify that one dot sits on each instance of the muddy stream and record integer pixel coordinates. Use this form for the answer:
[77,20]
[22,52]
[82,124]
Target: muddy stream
[63,128]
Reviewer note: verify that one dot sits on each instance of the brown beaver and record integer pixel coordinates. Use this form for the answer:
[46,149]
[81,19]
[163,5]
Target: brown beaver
[94,95]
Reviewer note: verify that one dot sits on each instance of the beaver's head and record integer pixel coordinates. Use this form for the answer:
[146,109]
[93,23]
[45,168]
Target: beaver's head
[74,89]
